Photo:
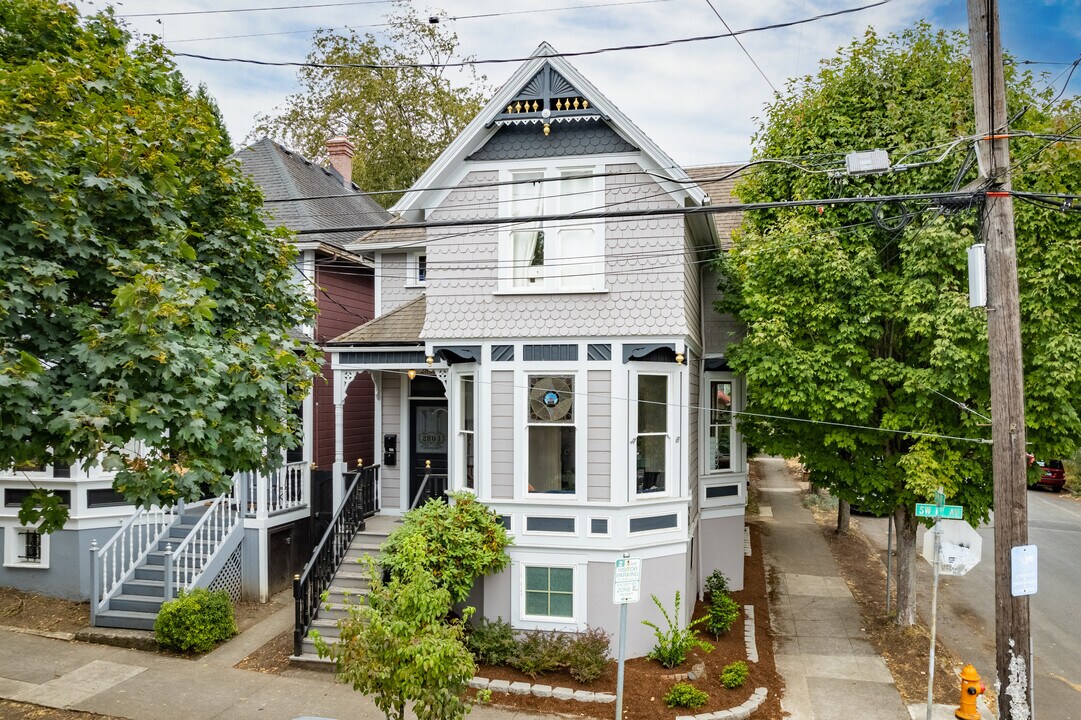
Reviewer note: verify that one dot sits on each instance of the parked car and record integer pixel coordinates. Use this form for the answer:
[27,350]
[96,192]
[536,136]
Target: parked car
[1052,474]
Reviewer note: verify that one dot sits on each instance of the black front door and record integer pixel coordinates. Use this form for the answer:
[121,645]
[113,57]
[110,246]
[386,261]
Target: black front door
[428,423]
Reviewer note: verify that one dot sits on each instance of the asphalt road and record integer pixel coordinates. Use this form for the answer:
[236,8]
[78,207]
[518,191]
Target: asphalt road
[966,607]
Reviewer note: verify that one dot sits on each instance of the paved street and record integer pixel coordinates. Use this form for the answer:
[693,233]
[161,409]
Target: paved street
[966,604]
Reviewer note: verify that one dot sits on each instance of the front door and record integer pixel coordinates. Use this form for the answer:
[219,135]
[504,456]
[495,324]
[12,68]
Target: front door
[428,423]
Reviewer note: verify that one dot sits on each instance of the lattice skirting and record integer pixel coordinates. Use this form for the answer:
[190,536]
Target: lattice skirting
[229,579]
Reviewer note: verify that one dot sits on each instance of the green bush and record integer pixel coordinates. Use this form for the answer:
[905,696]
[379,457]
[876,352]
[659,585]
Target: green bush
[195,621]
[673,643]
[540,652]
[716,584]
[587,655]
[492,642]
[734,674]
[685,695]
[455,543]
[723,611]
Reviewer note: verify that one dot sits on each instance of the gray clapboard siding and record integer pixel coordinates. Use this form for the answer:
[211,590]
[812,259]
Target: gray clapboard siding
[599,436]
[692,290]
[390,477]
[503,434]
[692,432]
[720,330]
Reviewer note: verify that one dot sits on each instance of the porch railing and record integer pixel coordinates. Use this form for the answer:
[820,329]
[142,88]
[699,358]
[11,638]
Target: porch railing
[277,491]
[360,502]
[431,487]
[115,561]
[185,564]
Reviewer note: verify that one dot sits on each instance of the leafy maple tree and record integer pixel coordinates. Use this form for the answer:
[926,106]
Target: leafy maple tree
[862,328]
[399,118]
[145,307]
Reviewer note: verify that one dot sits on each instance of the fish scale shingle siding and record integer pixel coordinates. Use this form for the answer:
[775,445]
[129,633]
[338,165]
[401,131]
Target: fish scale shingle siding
[393,291]
[644,272]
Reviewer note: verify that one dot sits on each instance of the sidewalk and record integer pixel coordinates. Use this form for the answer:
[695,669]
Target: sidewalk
[147,686]
[831,670]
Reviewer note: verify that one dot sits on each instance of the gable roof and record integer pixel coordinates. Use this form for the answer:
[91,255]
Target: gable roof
[400,326]
[483,126]
[304,196]
[720,192]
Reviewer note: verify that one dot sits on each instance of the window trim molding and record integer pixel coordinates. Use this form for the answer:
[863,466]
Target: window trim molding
[709,475]
[672,445]
[11,548]
[551,171]
[577,621]
[576,371]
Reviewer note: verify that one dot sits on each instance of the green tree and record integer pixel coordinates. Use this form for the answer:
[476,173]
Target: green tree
[399,118]
[399,648]
[866,324]
[455,542]
[145,307]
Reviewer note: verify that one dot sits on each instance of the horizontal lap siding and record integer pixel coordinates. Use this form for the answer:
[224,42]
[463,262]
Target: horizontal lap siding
[720,330]
[502,435]
[599,451]
[392,425]
[692,432]
[345,299]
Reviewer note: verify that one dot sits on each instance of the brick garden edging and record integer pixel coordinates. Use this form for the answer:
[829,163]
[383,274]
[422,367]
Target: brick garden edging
[740,712]
[543,691]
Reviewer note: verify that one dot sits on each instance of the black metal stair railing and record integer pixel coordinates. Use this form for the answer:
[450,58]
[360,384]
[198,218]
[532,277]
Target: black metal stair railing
[361,501]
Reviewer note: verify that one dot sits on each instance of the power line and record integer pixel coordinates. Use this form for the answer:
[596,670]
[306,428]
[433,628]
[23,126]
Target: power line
[496,61]
[255,9]
[741,46]
[453,18]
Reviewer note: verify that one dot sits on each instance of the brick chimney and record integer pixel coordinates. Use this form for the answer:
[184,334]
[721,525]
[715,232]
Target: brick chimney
[340,151]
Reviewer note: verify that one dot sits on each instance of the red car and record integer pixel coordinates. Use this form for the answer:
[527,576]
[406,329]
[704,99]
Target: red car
[1052,475]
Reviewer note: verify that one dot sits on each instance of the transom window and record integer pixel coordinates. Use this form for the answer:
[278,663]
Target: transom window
[554,255]
[549,592]
[551,434]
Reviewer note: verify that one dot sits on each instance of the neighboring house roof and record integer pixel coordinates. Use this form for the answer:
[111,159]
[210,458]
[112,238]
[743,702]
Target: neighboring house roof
[391,237]
[720,192]
[400,326]
[486,124]
[288,180]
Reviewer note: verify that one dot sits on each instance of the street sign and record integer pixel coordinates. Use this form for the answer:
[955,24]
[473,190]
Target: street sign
[946,512]
[1023,581]
[960,547]
[627,582]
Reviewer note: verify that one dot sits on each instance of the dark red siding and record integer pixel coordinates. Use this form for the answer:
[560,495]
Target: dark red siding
[346,299]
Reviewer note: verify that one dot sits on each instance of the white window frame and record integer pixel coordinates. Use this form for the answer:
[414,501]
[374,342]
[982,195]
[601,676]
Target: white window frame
[671,470]
[581,411]
[549,278]
[412,269]
[738,462]
[548,622]
[13,548]
[460,433]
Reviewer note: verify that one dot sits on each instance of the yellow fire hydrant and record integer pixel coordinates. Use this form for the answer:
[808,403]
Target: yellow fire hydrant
[971,688]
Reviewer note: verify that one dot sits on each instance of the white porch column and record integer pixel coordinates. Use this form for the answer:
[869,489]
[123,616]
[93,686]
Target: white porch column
[342,380]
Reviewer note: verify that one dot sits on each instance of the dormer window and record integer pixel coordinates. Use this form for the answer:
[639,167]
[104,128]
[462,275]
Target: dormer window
[552,255]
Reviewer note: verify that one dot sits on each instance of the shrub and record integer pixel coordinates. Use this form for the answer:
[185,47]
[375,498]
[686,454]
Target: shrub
[540,652]
[587,655]
[723,611]
[716,584]
[492,642]
[685,695]
[734,674]
[673,643]
[195,621]
[455,543]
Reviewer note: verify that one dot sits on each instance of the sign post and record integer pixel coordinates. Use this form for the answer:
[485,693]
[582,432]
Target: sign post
[938,511]
[626,588]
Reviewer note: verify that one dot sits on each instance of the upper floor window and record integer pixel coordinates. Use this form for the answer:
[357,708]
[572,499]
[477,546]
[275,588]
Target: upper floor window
[416,272]
[547,255]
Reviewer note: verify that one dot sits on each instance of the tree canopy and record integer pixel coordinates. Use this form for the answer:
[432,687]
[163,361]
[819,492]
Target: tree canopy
[399,118]
[861,327]
[145,309]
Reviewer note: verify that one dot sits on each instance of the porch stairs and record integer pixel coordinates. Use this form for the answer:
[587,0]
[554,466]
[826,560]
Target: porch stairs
[137,604]
[349,586]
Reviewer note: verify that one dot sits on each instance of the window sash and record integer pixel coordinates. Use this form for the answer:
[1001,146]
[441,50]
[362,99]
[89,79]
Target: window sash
[652,452]
[721,428]
[549,591]
[466,432]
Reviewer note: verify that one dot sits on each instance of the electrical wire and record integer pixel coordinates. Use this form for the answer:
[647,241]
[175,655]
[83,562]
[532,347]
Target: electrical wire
[741,47]
[498,61]
[255,9]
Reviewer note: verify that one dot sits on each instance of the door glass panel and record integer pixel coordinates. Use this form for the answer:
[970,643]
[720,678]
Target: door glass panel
[431,434]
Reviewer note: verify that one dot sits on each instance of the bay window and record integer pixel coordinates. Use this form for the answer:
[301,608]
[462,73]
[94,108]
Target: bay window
[466,431]
[551,434]
[652,419]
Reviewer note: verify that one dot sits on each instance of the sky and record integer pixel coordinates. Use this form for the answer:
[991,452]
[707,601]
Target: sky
[700,102]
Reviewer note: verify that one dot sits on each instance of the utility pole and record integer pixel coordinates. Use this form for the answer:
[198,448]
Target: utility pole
[1013,660]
